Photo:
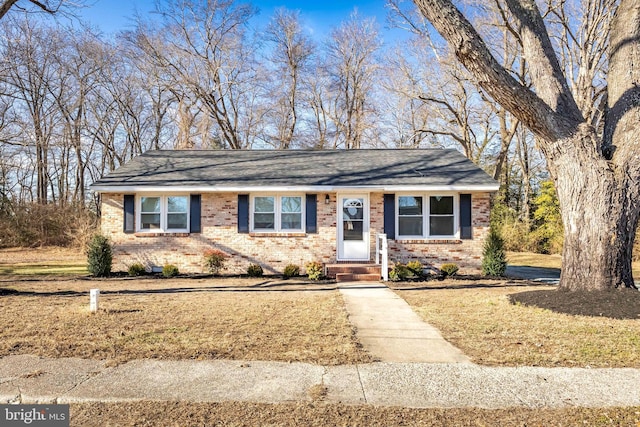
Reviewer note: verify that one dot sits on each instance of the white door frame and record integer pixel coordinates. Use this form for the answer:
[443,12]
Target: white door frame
[353,250]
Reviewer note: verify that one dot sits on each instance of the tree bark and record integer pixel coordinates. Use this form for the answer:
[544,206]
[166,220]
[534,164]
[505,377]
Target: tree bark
[596,178]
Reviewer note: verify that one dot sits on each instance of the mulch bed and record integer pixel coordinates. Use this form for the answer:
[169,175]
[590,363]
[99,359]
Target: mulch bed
[615,304]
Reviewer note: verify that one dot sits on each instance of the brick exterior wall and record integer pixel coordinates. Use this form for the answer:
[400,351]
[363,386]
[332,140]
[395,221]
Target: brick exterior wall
[273,251]
[467,254]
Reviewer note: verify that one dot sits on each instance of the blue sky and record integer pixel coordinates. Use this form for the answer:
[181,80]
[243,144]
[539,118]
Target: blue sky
[318,16]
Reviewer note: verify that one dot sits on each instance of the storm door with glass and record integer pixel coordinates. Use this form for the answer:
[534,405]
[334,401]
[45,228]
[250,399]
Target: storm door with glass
[353,228]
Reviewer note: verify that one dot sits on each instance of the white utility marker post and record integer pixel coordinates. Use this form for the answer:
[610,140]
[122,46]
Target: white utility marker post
[94,295]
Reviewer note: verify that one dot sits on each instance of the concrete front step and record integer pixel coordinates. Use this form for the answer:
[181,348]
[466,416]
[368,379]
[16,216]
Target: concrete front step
[353,272]
[351,277]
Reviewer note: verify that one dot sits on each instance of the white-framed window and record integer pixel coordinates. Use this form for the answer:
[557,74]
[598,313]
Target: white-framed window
[163,213]
[410,216]
[424,216]
[273,213]
[442,216]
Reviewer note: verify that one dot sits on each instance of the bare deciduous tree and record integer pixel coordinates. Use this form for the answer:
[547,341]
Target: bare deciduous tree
[352,63]
[31,74]
[596,176]
[291,54]
[41,5]
[203,48]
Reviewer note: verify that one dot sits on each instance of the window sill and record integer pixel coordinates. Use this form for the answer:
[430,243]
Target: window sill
[161,234]
[277,234]
[452,241]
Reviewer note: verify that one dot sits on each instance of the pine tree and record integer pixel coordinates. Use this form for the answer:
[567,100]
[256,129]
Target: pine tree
[99,256]
[494,258]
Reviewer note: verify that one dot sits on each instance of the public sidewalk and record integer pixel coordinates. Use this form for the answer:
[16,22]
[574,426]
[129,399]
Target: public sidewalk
[30,379]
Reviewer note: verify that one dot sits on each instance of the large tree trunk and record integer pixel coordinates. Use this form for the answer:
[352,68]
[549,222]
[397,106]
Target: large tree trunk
[599,226]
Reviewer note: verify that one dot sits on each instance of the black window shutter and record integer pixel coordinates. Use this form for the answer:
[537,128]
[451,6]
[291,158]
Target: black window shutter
[390,215]
[129,213]
[311,213]
[195,225]
[243,213]
[466,231]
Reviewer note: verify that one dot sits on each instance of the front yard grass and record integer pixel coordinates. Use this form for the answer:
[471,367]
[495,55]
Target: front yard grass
[478,317]
[323,414]
[176,319]
[42,261]
[530,259]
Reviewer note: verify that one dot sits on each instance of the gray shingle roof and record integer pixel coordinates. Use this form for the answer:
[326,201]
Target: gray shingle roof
[218,170]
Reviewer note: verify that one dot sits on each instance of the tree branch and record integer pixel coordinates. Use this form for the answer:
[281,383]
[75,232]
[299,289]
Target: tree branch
[473,53]
[5,6]
[546,73]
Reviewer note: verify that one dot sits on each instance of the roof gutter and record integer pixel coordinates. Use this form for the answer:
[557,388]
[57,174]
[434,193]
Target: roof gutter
[288,188]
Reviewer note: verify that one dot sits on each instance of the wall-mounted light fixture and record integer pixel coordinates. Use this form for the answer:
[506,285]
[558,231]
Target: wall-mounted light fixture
[327,199]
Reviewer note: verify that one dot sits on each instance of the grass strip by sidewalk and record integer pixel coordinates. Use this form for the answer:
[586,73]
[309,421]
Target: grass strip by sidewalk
[324,414]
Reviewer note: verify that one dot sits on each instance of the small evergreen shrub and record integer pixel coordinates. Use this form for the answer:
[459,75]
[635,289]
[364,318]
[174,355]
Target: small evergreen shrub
[136,269]
[494,258]
[399,272]
[291,270]
[214,260]
[416,268]
[449,269]
[314,270]
[254,270]
[170,270]
[99,256]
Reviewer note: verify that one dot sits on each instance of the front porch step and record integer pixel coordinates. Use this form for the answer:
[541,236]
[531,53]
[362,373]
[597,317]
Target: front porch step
[350,277]
[353,272]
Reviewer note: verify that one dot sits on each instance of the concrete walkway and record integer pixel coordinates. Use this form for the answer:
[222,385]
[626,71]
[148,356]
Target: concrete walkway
[30,379]
[391,331]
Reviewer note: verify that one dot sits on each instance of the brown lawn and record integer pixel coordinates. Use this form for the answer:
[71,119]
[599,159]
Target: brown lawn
[177,319]
[479,318]
[261,319]
[320,414]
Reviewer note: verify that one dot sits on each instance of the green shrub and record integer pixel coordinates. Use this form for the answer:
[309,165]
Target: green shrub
[314,270]
[494,259]
[449,269]
[416,268]
[170,270]
[254,270]
[136,269]
[291,270]
[99,256]
[399,272]
[214,260]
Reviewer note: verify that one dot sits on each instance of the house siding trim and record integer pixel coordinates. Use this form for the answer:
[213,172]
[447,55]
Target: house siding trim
[291,188]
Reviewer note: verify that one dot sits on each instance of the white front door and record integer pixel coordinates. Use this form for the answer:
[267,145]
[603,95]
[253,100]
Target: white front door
[353,227]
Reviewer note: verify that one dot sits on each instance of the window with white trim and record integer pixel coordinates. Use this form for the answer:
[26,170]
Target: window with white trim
[410,216]
[273,213]
[441,216]
[437,218]
[163,213]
